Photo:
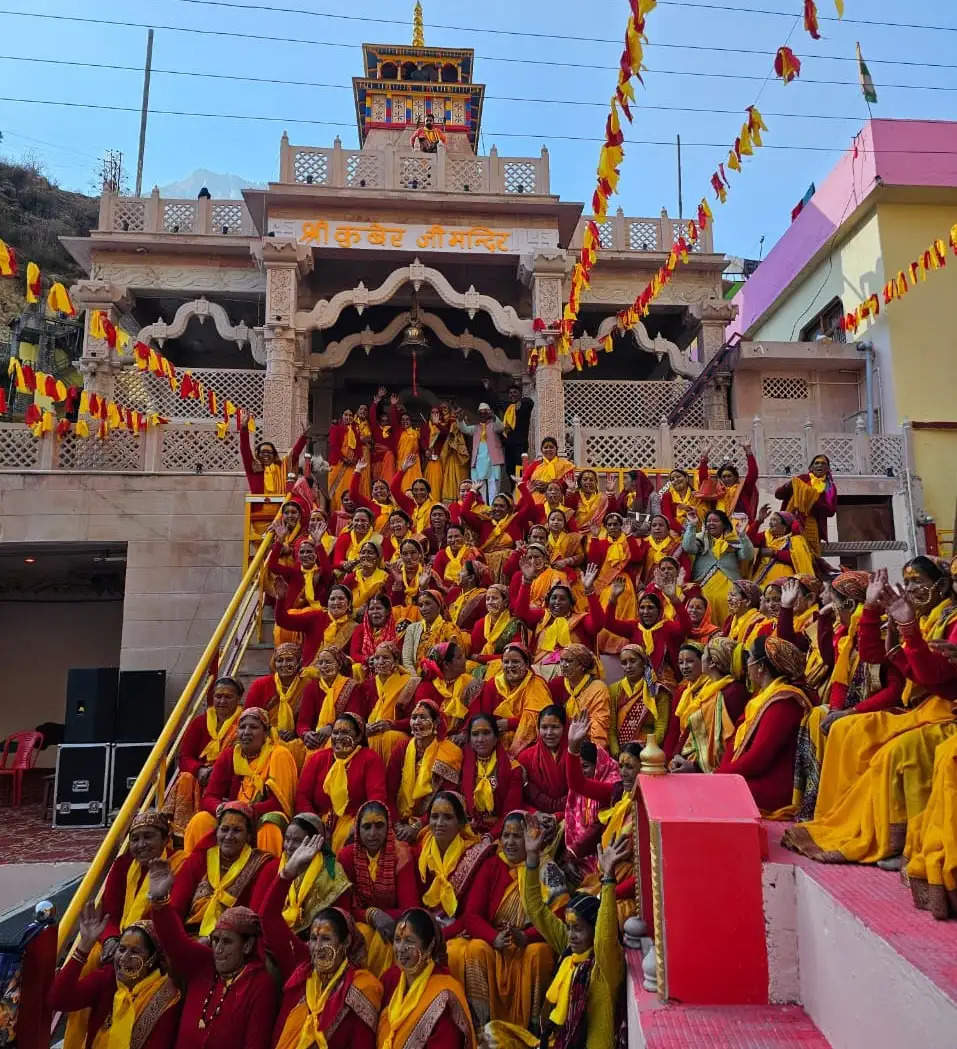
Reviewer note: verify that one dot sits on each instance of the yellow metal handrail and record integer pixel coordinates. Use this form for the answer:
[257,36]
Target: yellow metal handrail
[153,771]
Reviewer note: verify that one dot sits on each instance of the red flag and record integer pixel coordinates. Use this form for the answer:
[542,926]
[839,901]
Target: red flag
[810,19]
[786,64]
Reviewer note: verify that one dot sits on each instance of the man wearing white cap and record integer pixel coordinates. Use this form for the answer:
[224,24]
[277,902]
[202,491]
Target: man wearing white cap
[488,455]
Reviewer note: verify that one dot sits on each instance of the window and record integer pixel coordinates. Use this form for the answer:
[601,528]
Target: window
[826,325]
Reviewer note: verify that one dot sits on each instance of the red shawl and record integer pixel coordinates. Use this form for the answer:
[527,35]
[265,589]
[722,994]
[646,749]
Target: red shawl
[545,772]
[504,773]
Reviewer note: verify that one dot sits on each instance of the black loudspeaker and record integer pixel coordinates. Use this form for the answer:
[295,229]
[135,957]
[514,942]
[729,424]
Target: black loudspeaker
[140,706]
[80,787]
[128,760]
[90,704]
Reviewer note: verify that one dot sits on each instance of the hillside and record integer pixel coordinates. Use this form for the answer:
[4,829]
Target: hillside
[34,214]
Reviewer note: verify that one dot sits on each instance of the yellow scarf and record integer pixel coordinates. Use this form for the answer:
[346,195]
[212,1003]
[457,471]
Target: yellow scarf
[256,773]
[274,479]
[348,445]
[804,494]
[509,419]
[648,635]
[497,530]
[286,716]
[508,708]
[416,783]
[135,900]
[330,697]
[586,507]
[616,820]
[560,989]
[367,586]
[802,620]
[440,892]
[721,545]
[659,547]
[387,693]
[128,1004]
[219,882]
[331,632]
[847,656]
[453,567]
[484,795]
[355,545]
[453,707]
[299,890]
[572,706]
[625,686]
[553,633]
[493,631]
[743,626]
[214,747]
[309,586]
[404,1001]
[756,705]
[420,516]
[552,469]
[336,783]
[619,552]
[697,694]
[316,998]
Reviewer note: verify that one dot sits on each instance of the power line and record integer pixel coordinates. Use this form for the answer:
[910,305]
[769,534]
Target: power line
[487,58]
[535,135]
[346,87]
[275,9]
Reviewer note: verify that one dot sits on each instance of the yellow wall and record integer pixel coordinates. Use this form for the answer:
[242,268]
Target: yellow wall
[924,348]
[855,273]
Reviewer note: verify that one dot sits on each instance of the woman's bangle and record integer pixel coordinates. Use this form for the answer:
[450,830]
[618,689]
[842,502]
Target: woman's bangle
[80,954]
[609,880]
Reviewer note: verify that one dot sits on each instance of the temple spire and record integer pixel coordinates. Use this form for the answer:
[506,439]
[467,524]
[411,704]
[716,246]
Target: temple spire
[418,27]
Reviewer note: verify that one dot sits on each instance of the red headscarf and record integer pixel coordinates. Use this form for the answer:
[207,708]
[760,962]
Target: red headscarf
[548,769]
[381,892]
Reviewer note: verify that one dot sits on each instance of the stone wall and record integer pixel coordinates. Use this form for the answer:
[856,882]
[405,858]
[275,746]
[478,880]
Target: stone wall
[184,551]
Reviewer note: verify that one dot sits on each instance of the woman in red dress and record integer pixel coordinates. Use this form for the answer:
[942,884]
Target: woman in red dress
[544,764]
[377,628]
[491,780]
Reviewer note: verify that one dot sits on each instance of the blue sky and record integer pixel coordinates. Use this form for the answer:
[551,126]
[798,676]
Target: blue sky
[68,140]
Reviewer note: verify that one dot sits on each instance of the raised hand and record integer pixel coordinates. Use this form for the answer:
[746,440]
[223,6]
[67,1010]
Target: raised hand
[899,607]
[160,879]
[534,838]
[609,858]
[589,576]
[790,592]
[578,729]
[764,513]
[617,588]
[409,461]
[692,516]
[299,861]
[876,587]
[92,923]
[318,530]
[425,577]
[595,530]
[528,570]
[361,465]
[278,529]
[380,393]
[393,398]
[611,483]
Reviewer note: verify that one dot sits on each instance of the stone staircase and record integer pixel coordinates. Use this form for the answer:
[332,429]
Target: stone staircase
[852,965]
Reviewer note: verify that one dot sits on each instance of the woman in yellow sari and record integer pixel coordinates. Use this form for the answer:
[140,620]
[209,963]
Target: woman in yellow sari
[407,449]
[388,697]
[431,628]
[515,696]
[745,622]
[322,882]
[368,579]
[812,498]
[447,683]
[878,767]
[781,549]
[496,629]
[454,458]
[580,691]
[537,572]
[343,452]
[620,557]
[425,1006]
[586,499]
[419,501]
[256,771]
[550,467]
[565,552]
[721,553]
[427,764]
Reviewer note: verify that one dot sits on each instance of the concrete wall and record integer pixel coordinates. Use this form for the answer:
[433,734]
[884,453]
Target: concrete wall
[833,396]
[38,644]
[184,551]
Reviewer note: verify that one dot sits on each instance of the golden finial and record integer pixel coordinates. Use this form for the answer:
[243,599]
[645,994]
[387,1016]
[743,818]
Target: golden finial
[418,27]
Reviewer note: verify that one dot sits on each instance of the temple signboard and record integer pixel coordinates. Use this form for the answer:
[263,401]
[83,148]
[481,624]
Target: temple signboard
[401,236]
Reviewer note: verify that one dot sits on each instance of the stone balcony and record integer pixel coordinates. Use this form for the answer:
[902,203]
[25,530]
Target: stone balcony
[156,214]
[630,233]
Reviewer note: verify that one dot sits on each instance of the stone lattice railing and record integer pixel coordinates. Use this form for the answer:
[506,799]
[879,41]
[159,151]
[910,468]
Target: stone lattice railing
[156,214]
[620,232]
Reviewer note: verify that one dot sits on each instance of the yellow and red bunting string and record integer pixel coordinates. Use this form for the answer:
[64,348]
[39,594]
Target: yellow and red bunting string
[934,257]
[786,64]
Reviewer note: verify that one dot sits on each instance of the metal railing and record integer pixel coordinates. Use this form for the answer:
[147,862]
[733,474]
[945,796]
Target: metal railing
[222,656]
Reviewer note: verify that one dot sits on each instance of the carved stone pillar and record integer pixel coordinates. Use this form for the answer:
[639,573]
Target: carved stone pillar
[283,415]
[544,277]
[714,399]
[98,364]
[715,315]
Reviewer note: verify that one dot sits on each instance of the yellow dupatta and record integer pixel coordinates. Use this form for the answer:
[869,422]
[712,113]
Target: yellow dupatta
[260,776]
[309,586]
[129,1003]
[552,469]
[510,698]
[336,783]
[218,736]
[758,703]
[616,820]
[135,899]
[696,695]
[804,494]
[274,479]
[510,418]
[335,627]
[553,633]
[300,888]
[416,782]
[847,658]
[455,562]
[517,703]
[368,586]
[633,694]
[453,707]
[585,513]
[648,635]
[301,1029]
[403,1003]
[743,627]
[659,548]
[542,583]
[560,989]
[492,632]
[499,533]
[484,795]
[388,693]
[802,559]
[721,545]
[221,898]
[285,714]
[348,446]
[455,609]
[431,861]
[420,516]
[330,699]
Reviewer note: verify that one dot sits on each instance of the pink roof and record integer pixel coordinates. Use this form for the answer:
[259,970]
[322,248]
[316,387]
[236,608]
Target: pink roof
[899,152]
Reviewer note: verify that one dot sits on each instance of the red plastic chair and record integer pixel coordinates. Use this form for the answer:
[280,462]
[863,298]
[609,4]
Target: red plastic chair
[28,746]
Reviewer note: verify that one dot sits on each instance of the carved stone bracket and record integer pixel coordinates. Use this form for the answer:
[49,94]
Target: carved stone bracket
[283,251]
[336,353]
[200,308]
[662,347]
[326,312]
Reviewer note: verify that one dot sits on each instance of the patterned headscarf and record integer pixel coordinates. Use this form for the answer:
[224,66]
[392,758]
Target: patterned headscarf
[852,585]
[751,592]
[258,713]
[242,808]
[582,653]
[726,655]
[811,584]
[243,920]
[151,818]
[786,658]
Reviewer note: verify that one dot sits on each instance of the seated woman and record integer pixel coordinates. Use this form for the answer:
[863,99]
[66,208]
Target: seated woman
[564,546]
[678,498]
[333,693]
[699,615]
[336,780]
[397,531]
[782,550]
[256,772]
[878,768]
[423,634]
[620,558]
[446,683]
[545,787]
[812,498]
[536,575]
[320,884]
[332,625]
[537,536]
[582,829]
[517,961]
[227,986]
[134,994]
[581,1003]
[745,621]
[411,576]
[307,580]
[382,872]
[721,554]
[424,1006]
[367,578]
[496,629]
[449,856]
[451,558]
[710,705]
[635,495]
[639,704]
[467,597]
[426,764]
[615,818]
[500,530]
[385,702]
[658,636]
[282,694]
[548,468]
[222,871]
[559,625]
[765,741]
[377,628]
[661,542]
[515,697]
[206,736]
[328,997]
[491,781]
[587,501]
[579,689]
[418,502]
